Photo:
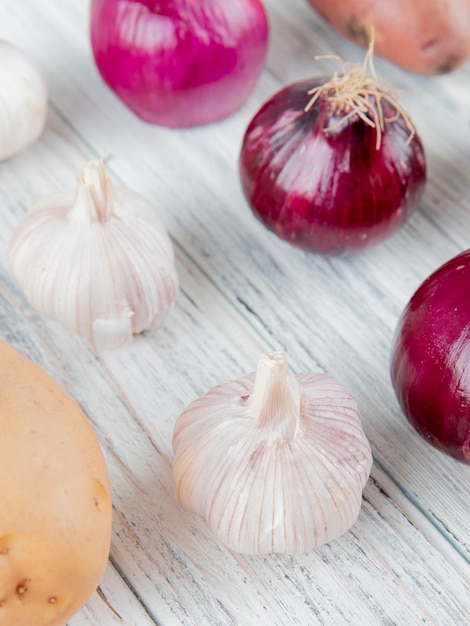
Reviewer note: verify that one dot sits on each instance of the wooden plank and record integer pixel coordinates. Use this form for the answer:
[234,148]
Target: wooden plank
[406,561]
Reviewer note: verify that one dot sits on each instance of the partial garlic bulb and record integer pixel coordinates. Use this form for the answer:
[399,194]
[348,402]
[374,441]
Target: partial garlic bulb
[274,462]
[98,260]
[23,101]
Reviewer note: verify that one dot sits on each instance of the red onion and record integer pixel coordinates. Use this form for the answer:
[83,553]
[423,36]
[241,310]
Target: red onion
[430,363]
[180,63]
[333,165]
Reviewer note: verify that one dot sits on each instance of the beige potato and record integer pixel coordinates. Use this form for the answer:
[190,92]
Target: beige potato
[421,36]
[55,499]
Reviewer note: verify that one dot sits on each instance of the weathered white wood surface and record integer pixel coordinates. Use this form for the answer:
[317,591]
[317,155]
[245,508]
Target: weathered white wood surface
[407,559]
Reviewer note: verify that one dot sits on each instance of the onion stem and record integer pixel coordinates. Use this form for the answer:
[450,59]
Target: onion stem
[357,90]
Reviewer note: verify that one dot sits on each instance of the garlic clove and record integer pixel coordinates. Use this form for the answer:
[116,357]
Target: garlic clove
[274,462]
[23,101]
[113,332]
[99,261]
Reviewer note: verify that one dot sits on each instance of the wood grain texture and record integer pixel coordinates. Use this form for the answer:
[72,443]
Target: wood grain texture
[243,291]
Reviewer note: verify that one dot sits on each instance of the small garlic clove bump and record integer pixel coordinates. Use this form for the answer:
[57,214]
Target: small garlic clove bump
[282,471]
[111,333]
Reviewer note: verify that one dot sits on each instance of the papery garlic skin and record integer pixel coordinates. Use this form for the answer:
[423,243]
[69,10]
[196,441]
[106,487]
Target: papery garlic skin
[23,101]
[274,462]
[98,260]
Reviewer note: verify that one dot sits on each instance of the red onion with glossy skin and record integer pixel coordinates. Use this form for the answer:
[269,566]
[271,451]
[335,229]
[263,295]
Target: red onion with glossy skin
[332,179]
[430,360]
[180,63]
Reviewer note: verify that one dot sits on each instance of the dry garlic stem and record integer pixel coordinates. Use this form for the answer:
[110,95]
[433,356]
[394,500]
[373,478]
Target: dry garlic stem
[274,462]
[98,260]
[358,91]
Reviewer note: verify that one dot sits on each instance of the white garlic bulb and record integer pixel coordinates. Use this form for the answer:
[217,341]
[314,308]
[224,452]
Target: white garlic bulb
[274,462]
[23,101]
[98,260]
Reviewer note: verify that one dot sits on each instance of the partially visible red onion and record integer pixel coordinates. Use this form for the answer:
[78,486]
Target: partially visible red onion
[180,63]
[430,360]
[335,173]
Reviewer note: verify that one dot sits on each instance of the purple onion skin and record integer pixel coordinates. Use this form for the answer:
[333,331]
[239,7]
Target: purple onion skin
[180,63]
[430,359]
[331,193]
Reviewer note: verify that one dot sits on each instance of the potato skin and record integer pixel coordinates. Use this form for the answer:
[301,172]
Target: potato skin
[56,511]
[421,36]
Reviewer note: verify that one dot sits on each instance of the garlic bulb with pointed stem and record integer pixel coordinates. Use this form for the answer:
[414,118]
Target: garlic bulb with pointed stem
[274,462]
[23,101]
[98,260]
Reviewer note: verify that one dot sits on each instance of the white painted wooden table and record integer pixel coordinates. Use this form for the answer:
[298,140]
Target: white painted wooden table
[243,291]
